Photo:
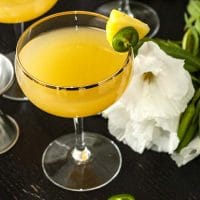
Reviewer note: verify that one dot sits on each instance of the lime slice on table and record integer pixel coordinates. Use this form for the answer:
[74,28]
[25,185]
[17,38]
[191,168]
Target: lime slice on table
[122,197]
[123,31]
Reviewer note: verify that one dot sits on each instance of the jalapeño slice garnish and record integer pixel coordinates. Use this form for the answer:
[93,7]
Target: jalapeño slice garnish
[125,38]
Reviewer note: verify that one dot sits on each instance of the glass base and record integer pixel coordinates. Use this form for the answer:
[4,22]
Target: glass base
[140,11]
[102,167]
[14,92]
[9,133]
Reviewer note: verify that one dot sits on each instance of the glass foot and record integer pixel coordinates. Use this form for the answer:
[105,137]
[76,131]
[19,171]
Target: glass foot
[102,167]
[9,133]
[14,92]
[140,11]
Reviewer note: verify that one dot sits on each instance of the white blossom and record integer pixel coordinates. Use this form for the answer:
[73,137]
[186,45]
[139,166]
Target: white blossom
[188,153]
[147,114]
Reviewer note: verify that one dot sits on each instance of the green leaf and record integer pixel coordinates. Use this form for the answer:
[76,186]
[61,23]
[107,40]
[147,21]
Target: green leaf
[190,41]
[193,8]
[197,25]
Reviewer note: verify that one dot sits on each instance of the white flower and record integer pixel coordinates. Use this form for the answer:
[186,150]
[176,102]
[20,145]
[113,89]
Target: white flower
[147,115]
[188,153]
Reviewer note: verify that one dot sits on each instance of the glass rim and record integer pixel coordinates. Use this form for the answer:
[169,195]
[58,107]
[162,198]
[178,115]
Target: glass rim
[53,86]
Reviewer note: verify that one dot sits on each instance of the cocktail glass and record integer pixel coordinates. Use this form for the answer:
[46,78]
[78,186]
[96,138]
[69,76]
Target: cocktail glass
[9,130]
[135,9]
[17,12]
[66,67]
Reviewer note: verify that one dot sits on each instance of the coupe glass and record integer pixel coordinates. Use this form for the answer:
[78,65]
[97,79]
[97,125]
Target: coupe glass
[17,12]
[82,161]
[135,9]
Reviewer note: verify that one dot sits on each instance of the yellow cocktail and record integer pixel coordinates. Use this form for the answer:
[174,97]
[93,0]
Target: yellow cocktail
[66,67]
[65,58]
[16,11]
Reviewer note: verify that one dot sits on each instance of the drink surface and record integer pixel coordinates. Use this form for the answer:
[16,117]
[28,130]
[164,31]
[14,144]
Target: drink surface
[16,11]
[72,57]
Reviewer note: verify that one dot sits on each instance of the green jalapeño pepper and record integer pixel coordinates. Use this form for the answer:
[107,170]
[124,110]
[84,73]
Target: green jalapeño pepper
[125,38]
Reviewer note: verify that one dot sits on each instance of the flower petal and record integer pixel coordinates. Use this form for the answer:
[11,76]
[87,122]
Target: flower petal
[188,153]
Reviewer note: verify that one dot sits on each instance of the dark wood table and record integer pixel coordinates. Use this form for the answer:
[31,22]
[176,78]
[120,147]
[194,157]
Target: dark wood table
[150,176]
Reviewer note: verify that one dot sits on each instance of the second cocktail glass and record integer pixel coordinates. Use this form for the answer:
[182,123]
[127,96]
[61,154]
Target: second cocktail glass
[17,12]
[66,67]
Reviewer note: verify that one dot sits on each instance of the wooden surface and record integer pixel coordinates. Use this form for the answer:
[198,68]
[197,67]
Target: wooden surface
[150,176]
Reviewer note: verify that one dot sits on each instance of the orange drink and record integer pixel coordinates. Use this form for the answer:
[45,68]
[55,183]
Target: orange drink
[73,57]
[16,11]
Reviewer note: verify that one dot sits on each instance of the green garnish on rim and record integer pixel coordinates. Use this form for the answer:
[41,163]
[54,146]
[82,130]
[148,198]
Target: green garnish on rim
[125,38]
[122,197]
[123,31]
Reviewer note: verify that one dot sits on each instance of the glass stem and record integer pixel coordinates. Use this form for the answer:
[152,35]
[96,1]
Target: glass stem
[124,6]
[80,153]
[19,29]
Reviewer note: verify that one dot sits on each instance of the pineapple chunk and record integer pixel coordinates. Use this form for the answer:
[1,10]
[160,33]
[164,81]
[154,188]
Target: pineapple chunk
[118,20]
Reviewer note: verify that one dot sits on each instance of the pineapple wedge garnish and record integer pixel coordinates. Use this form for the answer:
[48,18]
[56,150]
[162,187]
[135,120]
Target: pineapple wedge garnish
[119,20]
